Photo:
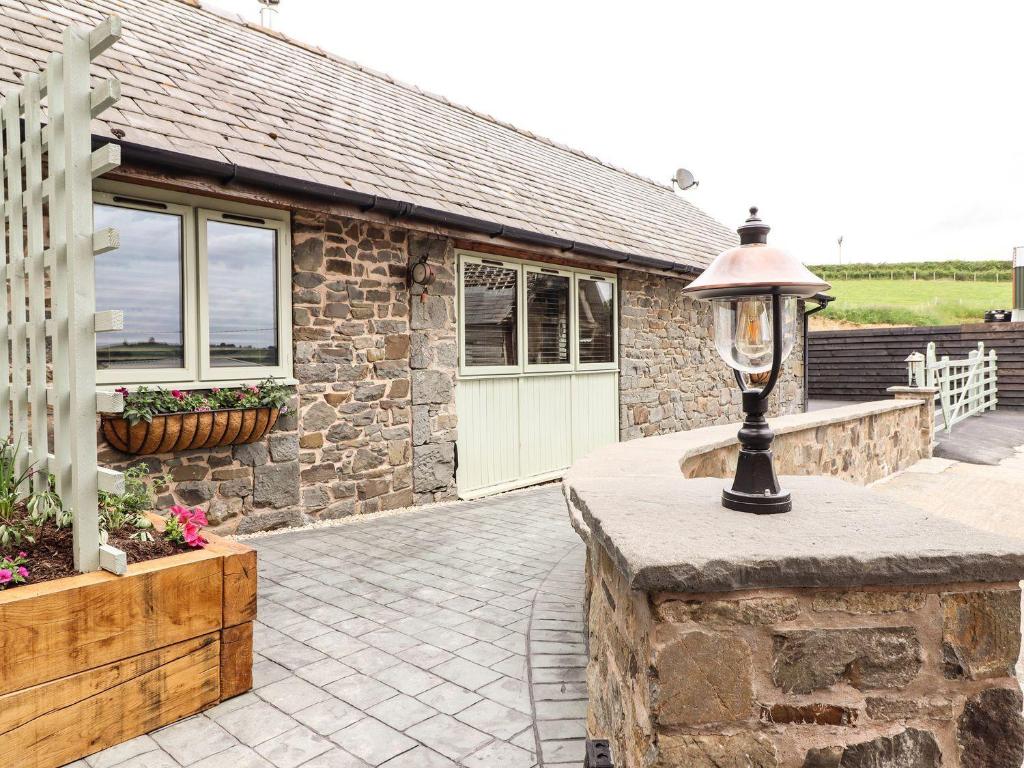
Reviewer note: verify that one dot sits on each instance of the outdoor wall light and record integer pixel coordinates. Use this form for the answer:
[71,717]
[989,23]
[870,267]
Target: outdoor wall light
[753,290]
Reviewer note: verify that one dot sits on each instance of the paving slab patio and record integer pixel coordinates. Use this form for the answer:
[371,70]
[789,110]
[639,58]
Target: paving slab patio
[449,636]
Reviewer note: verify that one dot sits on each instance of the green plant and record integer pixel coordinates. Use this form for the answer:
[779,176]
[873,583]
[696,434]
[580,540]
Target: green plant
[143,404]
[127,510]
[23,509]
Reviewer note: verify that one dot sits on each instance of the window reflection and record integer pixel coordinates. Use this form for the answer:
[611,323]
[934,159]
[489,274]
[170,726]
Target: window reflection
[597,321]
[143,278]
[242,294]
[490,311]
[547,319]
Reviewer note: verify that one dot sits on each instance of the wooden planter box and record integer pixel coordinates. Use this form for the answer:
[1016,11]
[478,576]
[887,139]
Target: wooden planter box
[93,660]
[170,432]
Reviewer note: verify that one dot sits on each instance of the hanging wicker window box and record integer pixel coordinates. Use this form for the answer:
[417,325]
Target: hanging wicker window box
[172,432]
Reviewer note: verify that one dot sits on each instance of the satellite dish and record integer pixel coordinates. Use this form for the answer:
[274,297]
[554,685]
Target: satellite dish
[684,179]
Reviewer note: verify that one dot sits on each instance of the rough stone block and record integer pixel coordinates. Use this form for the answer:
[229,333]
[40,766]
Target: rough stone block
[252,454]
[990,732]
[431,387]
[980,633]
[756,610]
[911,748]
[703,677]
[284,447]
[277,485]
[193,492]
[867,658]
[868,602]
[318,416]
[270,520]
[741,750]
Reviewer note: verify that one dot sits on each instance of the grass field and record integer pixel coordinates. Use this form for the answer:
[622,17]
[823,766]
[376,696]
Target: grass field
[915,302]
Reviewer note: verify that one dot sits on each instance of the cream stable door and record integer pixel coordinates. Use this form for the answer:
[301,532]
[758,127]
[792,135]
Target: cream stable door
[538,371]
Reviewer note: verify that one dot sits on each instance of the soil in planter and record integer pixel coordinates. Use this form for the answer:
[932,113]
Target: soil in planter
[52,556]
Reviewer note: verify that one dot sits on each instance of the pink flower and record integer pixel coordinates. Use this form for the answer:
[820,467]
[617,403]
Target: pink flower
[23,571]
[5,576]
[122,391]
[22,554]
[183,514]
[177,394]
[199,517]
[215,390]
[254,389]
[192,537]
[203,408]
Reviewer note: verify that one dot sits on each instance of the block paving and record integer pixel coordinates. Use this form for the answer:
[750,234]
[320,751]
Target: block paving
[448,636]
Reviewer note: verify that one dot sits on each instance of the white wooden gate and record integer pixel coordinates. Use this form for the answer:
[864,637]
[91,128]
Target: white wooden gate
[47,246]
[965,387]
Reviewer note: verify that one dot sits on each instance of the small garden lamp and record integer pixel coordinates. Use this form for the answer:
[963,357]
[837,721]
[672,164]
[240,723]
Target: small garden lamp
[753,290]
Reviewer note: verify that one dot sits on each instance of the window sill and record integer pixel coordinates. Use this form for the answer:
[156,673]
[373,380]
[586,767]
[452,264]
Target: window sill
[195,385]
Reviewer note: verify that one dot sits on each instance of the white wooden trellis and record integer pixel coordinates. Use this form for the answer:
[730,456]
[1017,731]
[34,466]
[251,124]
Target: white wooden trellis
[965,388]
[47,248]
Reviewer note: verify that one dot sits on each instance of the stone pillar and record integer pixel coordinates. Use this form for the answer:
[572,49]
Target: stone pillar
[926,395]
[849,633]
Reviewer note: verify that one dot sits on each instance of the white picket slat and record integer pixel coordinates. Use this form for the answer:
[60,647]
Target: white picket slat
[64,148]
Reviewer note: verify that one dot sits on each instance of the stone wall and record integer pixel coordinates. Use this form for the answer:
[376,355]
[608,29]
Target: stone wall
[913,677]
[672,378]
[346,448]
[434,362]
[861,443]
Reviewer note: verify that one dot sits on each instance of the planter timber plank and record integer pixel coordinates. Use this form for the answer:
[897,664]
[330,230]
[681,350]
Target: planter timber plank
[50,724]
[93,660]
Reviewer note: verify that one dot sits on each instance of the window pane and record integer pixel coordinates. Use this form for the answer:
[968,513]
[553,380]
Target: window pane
[597,321]
[143,279]
[490,312]
[241,264]
[547,318]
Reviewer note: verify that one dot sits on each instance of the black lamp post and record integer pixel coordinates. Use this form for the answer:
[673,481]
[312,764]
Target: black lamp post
[754,289]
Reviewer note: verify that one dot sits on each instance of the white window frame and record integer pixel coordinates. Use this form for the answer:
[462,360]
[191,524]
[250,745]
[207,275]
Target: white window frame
[491,370]
[208,372]
[196,211]
[539,369]
[596,277]
[571,316]
[188,309]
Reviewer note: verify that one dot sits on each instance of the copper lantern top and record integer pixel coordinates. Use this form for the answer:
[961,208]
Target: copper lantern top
[754,268]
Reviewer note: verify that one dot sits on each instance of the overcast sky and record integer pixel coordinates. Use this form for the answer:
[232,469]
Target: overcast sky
[899,125]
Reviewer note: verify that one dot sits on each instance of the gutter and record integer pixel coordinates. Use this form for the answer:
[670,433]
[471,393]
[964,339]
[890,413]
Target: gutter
[823,300]
[230,172]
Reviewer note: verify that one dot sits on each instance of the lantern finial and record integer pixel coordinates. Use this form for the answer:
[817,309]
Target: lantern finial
[753,231]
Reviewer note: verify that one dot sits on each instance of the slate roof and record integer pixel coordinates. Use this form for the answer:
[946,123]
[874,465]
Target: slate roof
[204,83]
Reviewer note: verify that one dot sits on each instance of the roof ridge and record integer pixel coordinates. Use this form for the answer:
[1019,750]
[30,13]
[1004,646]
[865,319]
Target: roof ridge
[236,18]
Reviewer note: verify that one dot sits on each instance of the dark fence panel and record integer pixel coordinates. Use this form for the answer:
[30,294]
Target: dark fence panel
[860,364]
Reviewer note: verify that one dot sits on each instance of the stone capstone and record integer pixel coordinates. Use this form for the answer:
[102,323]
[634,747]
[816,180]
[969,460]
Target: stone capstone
[911,748]
[980,633]
[869,658]
[703,677]
[990,731]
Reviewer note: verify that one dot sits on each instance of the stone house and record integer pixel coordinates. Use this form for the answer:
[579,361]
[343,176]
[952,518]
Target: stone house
[462,307]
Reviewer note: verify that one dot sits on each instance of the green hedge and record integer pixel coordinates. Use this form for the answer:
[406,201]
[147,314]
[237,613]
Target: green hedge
[993,270]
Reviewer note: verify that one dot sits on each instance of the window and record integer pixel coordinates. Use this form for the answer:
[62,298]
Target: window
[203,286]
[517,317]
[596,302]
